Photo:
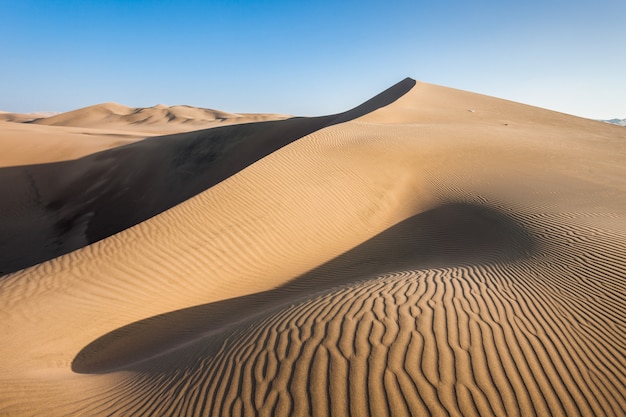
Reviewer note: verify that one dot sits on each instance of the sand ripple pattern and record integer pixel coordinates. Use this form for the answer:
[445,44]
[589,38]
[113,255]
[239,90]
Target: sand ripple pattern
[543,335]
[422,260]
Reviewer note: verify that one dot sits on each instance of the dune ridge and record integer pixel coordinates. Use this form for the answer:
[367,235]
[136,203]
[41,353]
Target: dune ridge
[417,259]
[480,234]
[34,138]
[74,208]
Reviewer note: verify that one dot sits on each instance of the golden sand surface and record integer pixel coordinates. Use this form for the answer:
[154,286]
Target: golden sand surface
[35,138]
[437,253]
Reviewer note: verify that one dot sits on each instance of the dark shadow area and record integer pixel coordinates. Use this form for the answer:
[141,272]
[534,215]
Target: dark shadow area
[48,210]
[450,235]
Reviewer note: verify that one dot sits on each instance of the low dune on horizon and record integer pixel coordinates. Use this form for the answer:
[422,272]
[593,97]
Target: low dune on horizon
[430,252]
[27,139]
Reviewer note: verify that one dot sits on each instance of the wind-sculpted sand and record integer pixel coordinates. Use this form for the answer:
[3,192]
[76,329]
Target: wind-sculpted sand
[37,138]
[431,252]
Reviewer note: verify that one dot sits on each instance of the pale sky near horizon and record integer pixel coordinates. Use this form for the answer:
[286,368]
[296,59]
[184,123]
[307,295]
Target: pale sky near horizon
[309,58]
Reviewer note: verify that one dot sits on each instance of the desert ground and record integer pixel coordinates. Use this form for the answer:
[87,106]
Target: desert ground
[431,252]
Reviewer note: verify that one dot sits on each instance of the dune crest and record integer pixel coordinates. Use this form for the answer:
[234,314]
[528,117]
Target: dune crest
[430,252]
[74,206]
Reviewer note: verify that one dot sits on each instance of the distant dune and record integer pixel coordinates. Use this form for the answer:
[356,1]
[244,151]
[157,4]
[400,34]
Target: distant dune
[81,132]
[430,252]
[23,118]
[74,203]
[158,119]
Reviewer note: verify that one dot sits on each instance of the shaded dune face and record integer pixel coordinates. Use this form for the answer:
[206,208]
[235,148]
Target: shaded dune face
[420,259]
[52,209]
[447,236]
[455,311]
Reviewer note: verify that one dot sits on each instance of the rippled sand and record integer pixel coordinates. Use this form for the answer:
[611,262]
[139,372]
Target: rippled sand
[432,252]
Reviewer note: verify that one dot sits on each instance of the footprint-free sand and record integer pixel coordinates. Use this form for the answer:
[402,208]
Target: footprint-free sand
[431,252]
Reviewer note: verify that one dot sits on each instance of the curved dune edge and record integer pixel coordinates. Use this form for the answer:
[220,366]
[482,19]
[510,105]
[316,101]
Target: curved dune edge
[464,340]
[52,209]
[25,143]
[395,308]
[477,235]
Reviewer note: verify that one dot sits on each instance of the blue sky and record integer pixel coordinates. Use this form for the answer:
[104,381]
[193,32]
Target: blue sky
[309,57]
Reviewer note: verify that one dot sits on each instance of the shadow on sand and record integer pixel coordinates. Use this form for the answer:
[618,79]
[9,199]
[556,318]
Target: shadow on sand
[450,235]
[48,210]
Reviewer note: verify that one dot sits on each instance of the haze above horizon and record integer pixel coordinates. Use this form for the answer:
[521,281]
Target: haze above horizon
[309,58]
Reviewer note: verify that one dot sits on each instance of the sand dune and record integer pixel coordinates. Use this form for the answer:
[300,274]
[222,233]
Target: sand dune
[431,252]
[23,118]
[157,119]
[79,202]
[27,138]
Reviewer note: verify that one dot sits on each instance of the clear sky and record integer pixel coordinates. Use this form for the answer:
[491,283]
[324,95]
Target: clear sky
[309,57]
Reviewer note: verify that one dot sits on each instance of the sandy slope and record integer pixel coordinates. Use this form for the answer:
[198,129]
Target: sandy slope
[28,139]
[52,209]
[448,254]
[23,144]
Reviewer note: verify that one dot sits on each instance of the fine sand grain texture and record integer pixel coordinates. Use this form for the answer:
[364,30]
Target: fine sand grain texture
[431,252]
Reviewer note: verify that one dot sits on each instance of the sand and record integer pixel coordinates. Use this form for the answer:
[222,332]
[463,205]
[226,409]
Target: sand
[432,252]
[29,138]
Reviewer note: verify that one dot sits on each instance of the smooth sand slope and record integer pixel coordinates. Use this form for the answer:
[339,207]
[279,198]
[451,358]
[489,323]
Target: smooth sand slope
[436,253]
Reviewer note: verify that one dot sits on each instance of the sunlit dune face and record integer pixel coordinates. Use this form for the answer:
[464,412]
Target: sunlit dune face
[430,252]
